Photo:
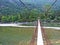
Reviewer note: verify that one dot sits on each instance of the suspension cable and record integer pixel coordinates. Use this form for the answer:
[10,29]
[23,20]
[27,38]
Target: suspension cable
[50,7]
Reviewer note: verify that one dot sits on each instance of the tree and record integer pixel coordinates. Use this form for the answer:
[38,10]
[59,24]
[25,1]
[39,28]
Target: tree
[3,19]
[48,9]
[33,15]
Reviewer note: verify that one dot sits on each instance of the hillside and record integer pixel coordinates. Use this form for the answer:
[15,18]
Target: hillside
[24,10]
[12,7]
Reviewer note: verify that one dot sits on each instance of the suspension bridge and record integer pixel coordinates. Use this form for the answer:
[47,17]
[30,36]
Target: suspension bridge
[40,37]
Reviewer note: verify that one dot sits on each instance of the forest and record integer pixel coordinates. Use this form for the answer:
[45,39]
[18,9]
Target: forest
[20,12]
[31,15]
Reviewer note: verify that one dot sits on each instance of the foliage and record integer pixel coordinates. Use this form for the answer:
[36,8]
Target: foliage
[28,15]
[15,35]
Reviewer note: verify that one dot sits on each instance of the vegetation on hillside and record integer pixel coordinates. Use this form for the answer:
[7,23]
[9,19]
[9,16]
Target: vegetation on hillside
[17,11]
[31,15]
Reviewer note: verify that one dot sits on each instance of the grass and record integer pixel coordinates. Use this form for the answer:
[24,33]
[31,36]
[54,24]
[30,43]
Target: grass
[15,35]
[53,36]
[22,36]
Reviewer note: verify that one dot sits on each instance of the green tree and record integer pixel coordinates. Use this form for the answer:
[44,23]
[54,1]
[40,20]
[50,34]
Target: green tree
[3,19]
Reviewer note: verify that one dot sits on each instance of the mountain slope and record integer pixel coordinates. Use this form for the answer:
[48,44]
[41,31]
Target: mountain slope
[13,7]
[10,7]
